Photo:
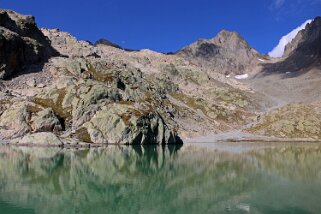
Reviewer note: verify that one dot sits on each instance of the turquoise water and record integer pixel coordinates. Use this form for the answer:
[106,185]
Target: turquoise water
[233,178]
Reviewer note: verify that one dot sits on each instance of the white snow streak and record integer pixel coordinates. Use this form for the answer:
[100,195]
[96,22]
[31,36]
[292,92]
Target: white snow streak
[241,77]
[278,51]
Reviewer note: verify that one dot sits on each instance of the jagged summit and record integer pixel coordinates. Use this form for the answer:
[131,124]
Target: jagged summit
[224,37]
[107,43]
[227,53]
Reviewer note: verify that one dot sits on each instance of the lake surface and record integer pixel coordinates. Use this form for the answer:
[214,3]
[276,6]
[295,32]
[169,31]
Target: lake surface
[206,178]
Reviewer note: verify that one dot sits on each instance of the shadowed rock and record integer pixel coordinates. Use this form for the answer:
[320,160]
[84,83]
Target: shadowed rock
[21,43]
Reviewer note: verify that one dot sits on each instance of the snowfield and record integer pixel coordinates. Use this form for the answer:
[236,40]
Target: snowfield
[241,77]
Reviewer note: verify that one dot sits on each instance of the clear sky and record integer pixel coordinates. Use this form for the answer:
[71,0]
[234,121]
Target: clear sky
[168,25]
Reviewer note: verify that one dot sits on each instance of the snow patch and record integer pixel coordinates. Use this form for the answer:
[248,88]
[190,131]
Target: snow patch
[241,77]
[278,51]
[261,60]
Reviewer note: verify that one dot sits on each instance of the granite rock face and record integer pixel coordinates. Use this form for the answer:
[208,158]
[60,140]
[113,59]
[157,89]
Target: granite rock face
[14,120]
[124,124]
[21,43]
[79,96]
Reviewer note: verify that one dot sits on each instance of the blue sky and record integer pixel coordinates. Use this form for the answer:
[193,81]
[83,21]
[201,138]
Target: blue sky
[168,25]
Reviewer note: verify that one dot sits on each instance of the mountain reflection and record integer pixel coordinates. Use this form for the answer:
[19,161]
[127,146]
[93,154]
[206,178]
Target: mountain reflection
[161,179]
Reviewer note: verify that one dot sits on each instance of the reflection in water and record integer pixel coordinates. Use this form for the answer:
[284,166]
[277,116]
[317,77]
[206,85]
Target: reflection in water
[152,179]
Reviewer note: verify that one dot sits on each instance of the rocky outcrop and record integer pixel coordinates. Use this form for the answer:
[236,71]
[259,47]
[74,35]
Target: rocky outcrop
[227,53]
[69,46]
[97,101]
[19,117]
[45,121]
[87,96]
[14,120]
[21,43]
[127,124]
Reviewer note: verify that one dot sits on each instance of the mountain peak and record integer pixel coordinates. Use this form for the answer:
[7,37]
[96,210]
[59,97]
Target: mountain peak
[226,53]
[226,33]
[225,36]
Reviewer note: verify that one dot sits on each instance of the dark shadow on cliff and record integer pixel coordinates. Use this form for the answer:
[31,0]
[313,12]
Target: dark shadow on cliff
[23,47]
[291,67]
[203,50]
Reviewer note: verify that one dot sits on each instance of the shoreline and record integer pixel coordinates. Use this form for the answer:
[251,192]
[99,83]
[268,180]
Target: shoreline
[236,142]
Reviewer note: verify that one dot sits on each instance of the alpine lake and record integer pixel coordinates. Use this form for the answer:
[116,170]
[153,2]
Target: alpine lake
[271,178]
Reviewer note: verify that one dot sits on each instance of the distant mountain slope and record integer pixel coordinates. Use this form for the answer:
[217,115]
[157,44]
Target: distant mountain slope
[227,53]
[279,50]
[302,52]
[307,41]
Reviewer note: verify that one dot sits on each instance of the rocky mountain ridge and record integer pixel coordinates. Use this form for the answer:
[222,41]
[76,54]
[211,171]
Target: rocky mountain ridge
[71,93]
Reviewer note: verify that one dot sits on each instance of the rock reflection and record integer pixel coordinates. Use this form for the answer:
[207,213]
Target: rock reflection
[155,179]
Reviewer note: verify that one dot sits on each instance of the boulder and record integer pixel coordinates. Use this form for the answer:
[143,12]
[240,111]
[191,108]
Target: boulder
[45,121]
[14,121]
